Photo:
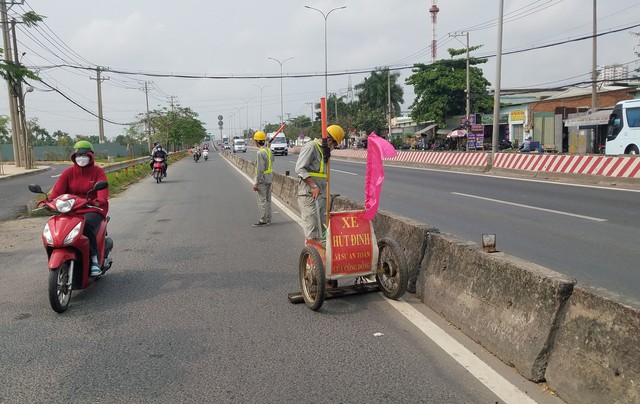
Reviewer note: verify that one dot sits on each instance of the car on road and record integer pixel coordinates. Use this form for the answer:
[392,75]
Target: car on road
[279,144]
[239,146]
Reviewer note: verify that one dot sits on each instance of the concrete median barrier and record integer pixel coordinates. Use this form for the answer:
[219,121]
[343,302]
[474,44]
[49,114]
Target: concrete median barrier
[507,305]
[595,357]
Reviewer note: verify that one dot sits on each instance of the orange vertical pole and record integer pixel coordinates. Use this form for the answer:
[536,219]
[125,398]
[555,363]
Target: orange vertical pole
[323,121]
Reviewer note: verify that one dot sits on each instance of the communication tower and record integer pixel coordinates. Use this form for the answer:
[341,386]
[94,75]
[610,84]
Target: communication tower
[434,19]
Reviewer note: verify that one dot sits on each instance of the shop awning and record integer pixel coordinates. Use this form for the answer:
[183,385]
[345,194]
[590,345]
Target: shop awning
[596,118]
[425,130]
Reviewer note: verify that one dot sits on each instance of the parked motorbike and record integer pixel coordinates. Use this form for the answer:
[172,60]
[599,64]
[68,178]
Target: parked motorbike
[205,155]
[67,248]
[158,169]
[196,156]
[505,144]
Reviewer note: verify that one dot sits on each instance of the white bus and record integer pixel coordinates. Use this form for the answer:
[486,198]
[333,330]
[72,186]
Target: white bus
[623,131]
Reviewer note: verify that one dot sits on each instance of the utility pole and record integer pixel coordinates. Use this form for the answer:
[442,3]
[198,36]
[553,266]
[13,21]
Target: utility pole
[146,94]
[13,106]
[21,124]
[594,63]
[311,104]
[468,97]
[496,93]
[389,100]
[99,80]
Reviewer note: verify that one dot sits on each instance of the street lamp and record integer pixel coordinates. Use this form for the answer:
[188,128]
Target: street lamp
[261,88]
[246,102]
[23,118]
[325,16]
[281,102]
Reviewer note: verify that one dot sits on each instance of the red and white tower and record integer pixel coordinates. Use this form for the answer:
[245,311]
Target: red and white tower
[434,19]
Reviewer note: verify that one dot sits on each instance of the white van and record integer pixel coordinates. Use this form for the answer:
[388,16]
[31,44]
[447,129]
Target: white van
[239,146]
[279,144]
[623,131]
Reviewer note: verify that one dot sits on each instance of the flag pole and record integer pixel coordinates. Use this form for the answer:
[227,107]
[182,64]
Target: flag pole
[323,120]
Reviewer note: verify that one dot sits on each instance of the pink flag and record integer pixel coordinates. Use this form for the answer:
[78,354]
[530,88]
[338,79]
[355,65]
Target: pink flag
[377,149]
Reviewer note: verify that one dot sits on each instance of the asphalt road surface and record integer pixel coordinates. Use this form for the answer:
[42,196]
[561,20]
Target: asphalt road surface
[195,310]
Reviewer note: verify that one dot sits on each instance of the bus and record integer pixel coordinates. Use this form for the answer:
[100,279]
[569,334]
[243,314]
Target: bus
[623,129]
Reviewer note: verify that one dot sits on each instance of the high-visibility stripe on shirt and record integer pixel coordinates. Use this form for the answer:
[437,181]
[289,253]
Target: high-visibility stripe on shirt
[320,173]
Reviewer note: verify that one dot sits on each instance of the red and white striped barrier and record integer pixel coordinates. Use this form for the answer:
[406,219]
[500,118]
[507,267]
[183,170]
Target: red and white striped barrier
[605,166]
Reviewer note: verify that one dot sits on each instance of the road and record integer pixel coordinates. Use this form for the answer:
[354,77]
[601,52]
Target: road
[586,232]
[14,193]
[195,309]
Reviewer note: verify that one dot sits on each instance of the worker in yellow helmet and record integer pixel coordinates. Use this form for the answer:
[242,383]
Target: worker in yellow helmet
[263,178]
[311,169]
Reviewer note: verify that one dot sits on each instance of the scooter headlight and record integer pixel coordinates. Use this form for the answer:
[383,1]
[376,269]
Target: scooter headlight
[72,234]
[46,233]
[64,205]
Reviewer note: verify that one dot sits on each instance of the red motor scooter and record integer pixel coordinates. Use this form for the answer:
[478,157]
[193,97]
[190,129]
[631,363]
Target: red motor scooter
[66,246]
[158,169]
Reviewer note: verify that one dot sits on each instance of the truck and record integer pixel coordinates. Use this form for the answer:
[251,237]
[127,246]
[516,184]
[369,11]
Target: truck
[623,129]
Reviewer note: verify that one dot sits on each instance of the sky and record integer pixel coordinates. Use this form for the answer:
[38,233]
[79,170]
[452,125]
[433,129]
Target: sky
[213,56]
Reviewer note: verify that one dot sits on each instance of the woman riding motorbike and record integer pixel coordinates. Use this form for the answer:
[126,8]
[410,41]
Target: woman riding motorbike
[78,180]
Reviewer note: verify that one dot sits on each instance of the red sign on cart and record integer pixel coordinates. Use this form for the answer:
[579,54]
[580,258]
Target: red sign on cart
[351,244]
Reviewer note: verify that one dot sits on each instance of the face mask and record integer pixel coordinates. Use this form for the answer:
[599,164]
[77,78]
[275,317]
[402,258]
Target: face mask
[82,161]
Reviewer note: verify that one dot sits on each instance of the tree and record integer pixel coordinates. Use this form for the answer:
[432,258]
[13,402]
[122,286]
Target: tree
[5,136]
[440,88]
[38,134]
[373,92]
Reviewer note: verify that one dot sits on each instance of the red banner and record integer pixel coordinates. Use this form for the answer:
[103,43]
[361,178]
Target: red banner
[351,244]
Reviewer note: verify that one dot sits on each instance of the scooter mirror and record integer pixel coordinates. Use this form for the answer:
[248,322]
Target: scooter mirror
[35,189]
[100,185]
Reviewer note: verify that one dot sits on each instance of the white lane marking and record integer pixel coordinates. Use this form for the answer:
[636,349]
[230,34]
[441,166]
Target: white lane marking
[56,176]
[559,212]
[338,171]
[480,370]
[343,172]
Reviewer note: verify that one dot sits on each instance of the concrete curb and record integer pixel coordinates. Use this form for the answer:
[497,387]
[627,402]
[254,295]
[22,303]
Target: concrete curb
[596,354]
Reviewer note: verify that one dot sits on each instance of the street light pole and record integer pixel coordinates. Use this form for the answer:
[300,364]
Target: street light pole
[281,98]
[261,88]
[325,16]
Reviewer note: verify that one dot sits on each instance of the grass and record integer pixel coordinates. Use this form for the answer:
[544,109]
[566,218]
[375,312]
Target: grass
[122,179]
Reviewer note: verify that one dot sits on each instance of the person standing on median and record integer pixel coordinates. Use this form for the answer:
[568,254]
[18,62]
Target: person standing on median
[263,179]
[311,168]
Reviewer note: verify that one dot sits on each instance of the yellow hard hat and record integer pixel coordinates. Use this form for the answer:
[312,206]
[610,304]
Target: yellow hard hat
[259,135]
[336,132]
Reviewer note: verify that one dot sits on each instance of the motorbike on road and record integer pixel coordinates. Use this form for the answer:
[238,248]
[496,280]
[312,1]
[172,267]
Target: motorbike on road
[205,155]
[196,156]
[158,169]
[67,247]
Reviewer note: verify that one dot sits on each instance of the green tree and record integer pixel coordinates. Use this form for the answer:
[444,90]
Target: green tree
[373,92]
[12,71]
[440,88]
[5,134]
[39,136]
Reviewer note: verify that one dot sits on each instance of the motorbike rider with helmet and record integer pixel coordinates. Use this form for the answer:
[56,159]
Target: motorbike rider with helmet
[78,180]
[311,168]
[159,151]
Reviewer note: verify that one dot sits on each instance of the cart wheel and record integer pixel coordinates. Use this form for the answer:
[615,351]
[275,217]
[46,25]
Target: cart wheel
[393,281]
[312,279]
